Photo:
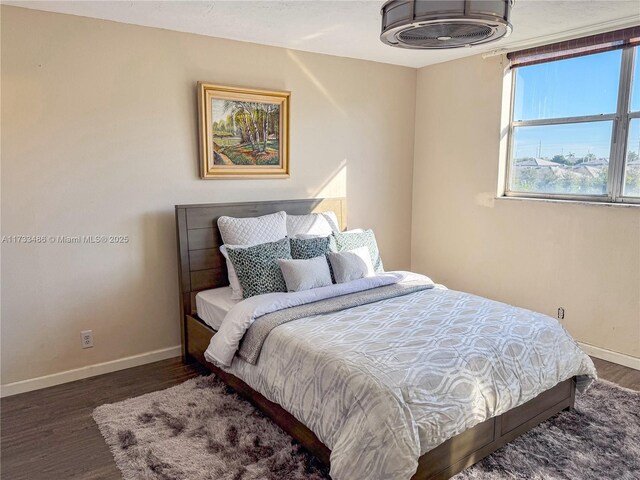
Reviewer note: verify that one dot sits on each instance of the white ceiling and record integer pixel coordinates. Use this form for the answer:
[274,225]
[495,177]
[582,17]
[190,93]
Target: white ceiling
[344,27]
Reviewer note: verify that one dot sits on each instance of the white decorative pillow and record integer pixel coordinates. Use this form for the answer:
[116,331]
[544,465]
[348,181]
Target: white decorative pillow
[252,231]
[351,265]
[234,283]
[316,224]
[305,274]
[306,236]
[248,232]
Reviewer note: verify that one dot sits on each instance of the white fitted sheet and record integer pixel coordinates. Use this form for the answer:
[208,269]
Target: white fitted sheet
[213,305]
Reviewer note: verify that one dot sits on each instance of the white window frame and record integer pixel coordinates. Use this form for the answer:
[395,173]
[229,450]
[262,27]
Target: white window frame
[619,138]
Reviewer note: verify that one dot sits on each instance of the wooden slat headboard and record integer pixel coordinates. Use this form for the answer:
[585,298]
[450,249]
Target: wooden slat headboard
[201,266]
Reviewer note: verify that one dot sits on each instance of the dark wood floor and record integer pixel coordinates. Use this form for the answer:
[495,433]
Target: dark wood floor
[49,434]
[623,376]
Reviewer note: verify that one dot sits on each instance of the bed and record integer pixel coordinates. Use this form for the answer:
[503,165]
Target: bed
[202,268]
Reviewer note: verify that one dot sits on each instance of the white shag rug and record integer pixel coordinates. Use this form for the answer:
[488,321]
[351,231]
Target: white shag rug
[202,430]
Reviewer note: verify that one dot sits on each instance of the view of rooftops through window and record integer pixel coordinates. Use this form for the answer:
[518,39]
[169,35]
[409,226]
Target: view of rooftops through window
[563,127]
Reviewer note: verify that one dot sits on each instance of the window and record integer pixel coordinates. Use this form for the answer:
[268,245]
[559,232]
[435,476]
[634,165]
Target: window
[575,124]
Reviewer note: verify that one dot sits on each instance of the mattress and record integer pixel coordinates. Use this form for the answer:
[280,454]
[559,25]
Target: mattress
[213,305]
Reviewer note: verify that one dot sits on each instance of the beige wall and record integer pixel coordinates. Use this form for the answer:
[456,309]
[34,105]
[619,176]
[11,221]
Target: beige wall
[537,255]
[99,136]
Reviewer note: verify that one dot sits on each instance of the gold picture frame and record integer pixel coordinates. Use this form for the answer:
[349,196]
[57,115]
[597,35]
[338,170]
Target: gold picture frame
[244,133]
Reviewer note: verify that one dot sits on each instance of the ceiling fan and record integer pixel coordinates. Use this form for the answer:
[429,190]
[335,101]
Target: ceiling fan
[439,24]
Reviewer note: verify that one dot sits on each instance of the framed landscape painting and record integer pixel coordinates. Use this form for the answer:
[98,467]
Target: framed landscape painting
[244,133]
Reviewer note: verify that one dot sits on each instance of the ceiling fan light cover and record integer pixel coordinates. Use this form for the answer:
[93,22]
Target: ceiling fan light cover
[439,24]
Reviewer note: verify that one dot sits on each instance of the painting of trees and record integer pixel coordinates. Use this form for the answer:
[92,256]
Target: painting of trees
[246,133]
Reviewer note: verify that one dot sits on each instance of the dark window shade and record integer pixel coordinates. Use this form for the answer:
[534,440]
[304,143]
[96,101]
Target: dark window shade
[602,42]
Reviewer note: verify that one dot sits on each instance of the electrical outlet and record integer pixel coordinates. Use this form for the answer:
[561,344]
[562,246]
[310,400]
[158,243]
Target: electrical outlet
[87,338]
[560,313]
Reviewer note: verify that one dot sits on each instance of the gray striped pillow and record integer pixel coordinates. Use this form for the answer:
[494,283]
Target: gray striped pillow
[344,241]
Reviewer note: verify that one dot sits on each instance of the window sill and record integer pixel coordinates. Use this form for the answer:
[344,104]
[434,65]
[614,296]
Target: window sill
[569,202]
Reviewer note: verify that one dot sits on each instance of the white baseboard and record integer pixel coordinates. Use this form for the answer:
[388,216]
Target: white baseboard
[88,371]
[162,354]
[608,355]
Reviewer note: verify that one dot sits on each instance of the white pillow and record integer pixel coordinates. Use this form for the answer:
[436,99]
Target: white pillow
[247,232]
[351,265]
[316,224]
[306,236]
[305,274]
[252,231]
[232,276]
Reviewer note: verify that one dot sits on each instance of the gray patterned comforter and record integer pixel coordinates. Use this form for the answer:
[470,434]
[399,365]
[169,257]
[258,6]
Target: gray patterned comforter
[383,383]
[260,329]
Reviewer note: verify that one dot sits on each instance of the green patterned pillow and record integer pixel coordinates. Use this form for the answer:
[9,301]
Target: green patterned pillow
[257,267]
[344,241]
[304,249]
